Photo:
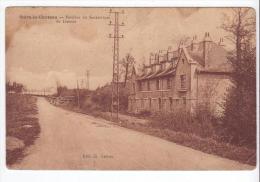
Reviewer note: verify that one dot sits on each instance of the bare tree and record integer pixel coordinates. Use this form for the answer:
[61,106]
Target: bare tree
[241,28]
[126,65]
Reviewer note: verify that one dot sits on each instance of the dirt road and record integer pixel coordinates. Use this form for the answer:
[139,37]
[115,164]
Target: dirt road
[71,140]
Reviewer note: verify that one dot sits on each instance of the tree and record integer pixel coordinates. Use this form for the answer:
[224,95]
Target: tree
[239,120]
[241,28]
[15,87]
[126,64]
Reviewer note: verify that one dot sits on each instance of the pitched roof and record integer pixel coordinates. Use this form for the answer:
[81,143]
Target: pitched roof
[159,73]
[217,61]
[166,72]
[217,57]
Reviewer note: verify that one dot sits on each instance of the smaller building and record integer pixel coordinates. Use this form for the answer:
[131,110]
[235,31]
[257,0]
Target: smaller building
[183,79]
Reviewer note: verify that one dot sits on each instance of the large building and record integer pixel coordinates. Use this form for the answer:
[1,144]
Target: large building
[183,79]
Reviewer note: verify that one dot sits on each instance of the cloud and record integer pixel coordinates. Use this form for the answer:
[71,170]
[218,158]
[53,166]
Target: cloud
[44,52]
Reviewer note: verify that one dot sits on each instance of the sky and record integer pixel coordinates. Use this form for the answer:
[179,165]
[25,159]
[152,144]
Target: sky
[42,52]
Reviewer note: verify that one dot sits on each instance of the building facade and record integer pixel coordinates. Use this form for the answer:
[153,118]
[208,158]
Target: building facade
[183,79]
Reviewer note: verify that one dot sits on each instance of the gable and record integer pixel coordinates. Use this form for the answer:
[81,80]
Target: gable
[182,65]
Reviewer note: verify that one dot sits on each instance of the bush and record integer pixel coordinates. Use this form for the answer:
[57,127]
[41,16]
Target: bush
[144,113]
[239,120]
[201,123]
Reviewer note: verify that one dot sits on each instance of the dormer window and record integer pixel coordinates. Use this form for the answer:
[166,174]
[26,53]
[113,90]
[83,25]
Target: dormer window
[158,84]
[169,85]
[163,66]
[183,82]
[153,68]
[139,86]
[173,62]
[143,85]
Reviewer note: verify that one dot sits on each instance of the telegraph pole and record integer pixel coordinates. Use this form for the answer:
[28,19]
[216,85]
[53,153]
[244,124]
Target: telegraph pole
[115,77]
[87,82]
[78,93]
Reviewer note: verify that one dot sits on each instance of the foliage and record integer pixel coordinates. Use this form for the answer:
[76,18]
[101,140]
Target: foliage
[239,120]
[14,87]
[127,64]
[101,99]
[61,90]
[201,123]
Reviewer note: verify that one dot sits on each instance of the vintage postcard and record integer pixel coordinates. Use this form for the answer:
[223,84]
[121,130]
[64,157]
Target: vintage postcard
[130,88]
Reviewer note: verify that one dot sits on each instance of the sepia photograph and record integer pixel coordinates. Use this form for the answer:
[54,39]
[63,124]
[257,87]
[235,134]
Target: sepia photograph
[130,88]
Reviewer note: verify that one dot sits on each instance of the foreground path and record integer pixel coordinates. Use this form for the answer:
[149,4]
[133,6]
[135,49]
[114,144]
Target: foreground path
[71,140]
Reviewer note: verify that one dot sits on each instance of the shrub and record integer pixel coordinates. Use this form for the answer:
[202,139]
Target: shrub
[239,120]
[144,113]
[201,123]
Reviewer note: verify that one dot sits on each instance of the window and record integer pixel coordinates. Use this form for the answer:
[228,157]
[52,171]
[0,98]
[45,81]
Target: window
[142,103]
[173,62]
[153,68]
[184,101]
[148,85]
[158,84]
[144,86]
[160,103]
[140,86]
[134,87]
[170,100]
[183,81]
[169,85]
[161,84]
[182,61]
[150,103]
[163,66]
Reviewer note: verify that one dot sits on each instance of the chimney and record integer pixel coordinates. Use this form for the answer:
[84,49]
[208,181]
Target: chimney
[221,42]
[156,60]
[206,48]
[161,56]
[169,51]
[194,43]
[180,46]
[207,38]
[151,59]
[156,65]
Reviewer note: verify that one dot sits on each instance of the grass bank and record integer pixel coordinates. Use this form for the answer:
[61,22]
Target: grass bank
[22,126]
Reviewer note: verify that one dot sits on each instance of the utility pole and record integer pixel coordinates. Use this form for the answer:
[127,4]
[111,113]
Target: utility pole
[115,77]
[87,82]
[78,93]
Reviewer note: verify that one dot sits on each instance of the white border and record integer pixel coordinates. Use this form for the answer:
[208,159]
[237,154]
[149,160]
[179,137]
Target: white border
[133,176]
